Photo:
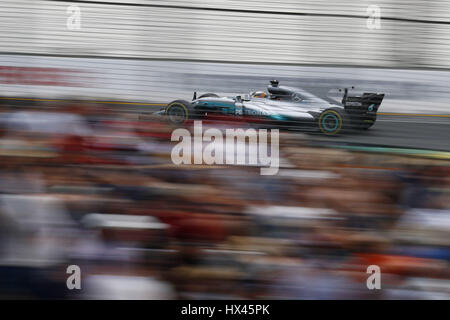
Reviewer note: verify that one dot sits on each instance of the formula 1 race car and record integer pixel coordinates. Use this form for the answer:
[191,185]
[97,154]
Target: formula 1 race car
[280,106]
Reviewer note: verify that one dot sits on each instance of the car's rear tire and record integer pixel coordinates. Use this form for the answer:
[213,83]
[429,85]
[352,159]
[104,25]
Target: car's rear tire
[209,95]
[177,111]
[332,121]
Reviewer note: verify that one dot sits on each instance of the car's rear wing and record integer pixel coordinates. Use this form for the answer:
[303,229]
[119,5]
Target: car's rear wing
[367,102]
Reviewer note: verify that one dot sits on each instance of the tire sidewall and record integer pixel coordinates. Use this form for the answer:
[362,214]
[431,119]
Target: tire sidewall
[177,104]
[337,115]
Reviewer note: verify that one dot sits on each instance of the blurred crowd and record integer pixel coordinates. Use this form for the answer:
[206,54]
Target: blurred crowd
[93,185]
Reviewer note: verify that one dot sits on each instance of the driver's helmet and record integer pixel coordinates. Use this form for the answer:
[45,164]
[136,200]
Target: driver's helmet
[259,94]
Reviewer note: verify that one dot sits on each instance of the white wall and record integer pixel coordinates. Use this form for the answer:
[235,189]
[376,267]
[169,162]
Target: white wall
[34,26]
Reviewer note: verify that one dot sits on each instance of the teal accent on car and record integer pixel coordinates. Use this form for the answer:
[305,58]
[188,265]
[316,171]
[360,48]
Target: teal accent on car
[215,104]
[277,117]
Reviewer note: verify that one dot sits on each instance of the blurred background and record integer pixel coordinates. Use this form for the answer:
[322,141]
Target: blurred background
[86,176]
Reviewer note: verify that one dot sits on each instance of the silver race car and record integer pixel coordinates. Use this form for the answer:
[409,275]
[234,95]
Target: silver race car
[280,106]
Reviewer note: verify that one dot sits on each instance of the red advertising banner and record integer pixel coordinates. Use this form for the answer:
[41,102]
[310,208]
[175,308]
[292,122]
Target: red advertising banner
[38,76]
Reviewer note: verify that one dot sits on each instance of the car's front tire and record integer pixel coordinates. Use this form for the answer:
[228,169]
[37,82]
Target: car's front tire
[177,111]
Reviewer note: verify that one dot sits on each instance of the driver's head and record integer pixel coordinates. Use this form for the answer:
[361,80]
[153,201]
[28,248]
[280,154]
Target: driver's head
[259,94]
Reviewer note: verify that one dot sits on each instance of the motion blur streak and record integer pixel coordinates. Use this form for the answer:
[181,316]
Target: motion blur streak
[92,184]
[213,231]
